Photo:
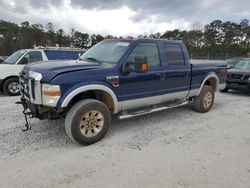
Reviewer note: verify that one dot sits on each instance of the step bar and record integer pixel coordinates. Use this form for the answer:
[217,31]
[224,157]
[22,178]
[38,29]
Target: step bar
[139,113]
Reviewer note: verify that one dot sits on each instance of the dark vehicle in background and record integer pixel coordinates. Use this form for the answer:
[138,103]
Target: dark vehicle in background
[123,77]
[233,61]
[239,76]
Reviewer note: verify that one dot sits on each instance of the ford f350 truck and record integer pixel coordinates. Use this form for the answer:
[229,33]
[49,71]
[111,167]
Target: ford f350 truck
[123,77]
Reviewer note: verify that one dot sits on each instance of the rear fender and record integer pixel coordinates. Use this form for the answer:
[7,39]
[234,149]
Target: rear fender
[207,78]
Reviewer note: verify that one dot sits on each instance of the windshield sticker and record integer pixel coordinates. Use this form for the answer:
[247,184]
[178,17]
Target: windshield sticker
[122,44]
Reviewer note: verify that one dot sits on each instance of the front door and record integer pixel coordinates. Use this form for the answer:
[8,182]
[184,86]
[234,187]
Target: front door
[141,85]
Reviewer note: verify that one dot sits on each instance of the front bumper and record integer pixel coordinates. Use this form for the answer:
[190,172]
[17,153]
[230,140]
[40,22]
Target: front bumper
[243,85]
[39,111]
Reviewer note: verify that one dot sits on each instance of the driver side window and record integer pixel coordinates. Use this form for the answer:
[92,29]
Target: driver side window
[31,57]
[24,60]
[149,50]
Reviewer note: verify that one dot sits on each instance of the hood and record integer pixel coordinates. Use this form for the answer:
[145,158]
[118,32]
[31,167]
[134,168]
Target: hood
[50,69]
[238,74]
[238,71]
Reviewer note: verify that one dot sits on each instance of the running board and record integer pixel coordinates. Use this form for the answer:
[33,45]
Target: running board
[143,112]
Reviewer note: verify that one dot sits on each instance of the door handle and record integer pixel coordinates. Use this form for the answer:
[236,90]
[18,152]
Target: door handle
[161,75]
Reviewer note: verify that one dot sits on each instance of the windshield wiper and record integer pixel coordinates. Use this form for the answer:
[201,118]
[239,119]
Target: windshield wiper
[94,59]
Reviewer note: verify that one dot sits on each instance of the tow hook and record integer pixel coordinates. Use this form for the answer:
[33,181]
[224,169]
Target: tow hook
[27,114]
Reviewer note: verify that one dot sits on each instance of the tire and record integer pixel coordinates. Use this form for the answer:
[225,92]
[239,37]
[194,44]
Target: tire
[87,121]
[11,87]
[204,101]
[225,90]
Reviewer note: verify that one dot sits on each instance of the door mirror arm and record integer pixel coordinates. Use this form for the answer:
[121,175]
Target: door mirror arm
[140,65]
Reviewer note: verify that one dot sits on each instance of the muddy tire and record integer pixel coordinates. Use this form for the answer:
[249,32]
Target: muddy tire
[87,121]
[11,87]
[204,101]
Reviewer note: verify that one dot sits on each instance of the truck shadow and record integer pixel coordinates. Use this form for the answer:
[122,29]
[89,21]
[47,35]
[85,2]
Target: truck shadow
[1,93]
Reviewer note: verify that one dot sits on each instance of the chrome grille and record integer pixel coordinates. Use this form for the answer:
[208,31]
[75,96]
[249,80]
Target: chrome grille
[24,86]
[236,76]
[30,88]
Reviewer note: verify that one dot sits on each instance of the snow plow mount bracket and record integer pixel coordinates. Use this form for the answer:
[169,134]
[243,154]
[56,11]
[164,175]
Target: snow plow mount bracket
[27,114]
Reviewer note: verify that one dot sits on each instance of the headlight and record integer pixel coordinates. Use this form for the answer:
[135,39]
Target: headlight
[37,76]
[51,94]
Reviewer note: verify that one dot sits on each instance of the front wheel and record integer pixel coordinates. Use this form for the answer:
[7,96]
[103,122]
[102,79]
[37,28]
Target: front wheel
[205,100]
[87,121]
[11,87]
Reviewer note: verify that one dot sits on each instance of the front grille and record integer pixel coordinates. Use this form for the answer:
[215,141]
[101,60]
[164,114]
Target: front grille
[24,86]
[236,76]
[30,88]
[246,78]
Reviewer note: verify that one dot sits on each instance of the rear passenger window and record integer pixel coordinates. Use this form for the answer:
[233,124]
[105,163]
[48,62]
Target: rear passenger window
[149,50]
[174,55]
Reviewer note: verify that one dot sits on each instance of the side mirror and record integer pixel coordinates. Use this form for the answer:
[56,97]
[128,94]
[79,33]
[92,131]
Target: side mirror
[140,65]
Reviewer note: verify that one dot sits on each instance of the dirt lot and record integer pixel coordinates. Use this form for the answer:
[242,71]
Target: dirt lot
[173,148]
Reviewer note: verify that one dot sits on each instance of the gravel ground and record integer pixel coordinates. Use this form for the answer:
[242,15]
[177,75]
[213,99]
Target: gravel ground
[173,148]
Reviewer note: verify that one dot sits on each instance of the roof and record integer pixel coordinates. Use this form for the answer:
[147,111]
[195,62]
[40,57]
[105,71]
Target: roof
[55,49]
[146,40]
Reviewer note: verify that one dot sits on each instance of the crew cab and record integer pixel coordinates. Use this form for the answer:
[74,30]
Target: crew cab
[126,78]
[12,65]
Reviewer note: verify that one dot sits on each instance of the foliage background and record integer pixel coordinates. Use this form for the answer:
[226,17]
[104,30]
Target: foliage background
[216,40]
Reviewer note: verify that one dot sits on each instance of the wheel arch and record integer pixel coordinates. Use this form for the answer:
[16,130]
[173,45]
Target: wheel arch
[210,80]
[98,92]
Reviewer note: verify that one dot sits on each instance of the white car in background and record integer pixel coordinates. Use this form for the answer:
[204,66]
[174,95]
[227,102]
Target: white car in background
[12,65]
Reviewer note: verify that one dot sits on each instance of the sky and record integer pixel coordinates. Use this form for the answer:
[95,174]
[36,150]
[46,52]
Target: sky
[124,17]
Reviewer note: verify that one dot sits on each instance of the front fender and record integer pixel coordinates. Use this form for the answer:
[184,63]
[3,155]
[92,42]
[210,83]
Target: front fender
[83,87]
[9,71]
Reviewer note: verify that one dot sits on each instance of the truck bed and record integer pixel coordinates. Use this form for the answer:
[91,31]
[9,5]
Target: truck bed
[206,67]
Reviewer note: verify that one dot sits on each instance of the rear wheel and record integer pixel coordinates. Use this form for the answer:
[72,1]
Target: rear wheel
[204,101]
[11,87]
[87,121]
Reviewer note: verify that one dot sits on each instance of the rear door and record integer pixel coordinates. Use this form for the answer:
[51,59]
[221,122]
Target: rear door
[177,70]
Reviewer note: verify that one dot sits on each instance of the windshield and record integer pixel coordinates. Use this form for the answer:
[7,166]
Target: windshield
[243,65]
[12,59]
[108,51]
[232,62]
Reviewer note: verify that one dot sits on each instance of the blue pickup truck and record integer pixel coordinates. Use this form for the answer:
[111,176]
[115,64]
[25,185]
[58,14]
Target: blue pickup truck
[123,77]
